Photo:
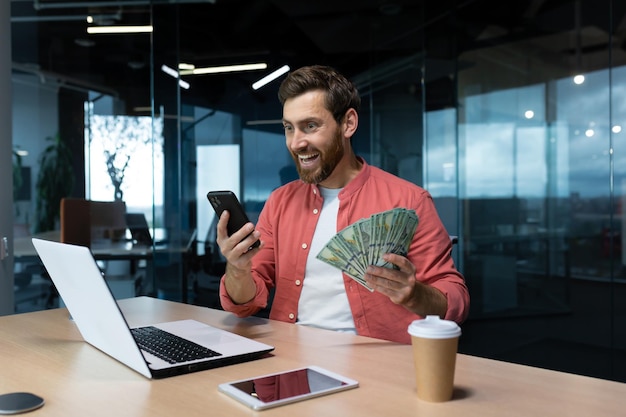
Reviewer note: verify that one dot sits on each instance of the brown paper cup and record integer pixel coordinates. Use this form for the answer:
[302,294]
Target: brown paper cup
[435,344]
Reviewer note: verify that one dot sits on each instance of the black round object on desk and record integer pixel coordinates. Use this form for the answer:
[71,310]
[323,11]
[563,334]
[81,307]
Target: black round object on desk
[19,402]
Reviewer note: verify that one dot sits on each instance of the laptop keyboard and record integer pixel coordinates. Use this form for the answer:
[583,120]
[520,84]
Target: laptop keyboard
[169,347]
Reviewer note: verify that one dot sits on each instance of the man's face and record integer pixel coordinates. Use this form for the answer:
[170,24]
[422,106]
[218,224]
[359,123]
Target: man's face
[314,138]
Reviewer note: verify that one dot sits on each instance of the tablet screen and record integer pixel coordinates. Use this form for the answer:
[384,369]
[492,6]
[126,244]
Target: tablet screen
[285,387]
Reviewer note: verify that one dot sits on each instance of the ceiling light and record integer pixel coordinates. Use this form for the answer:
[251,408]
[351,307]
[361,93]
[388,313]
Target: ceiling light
[270,77]
[225,68]
[182,66]
[148,109]
[579,79]
[119,29]
[173,73]
[169,71]
[264,122]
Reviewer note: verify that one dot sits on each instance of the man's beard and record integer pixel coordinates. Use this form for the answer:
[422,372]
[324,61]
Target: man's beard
[329,159]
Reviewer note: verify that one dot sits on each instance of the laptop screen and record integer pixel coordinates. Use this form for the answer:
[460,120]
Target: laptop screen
[138,226]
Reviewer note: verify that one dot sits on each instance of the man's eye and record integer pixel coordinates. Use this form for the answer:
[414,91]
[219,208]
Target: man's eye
[311,126]
[287,128]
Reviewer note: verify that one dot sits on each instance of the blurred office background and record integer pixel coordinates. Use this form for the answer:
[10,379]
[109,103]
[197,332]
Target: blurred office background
[511,113]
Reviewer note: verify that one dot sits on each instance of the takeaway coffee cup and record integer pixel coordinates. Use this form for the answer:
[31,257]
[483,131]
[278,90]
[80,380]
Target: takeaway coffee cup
[435,342]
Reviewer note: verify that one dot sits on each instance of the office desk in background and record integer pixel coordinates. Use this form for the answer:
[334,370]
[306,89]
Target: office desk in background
[23,248]
[125,254]
[43,353]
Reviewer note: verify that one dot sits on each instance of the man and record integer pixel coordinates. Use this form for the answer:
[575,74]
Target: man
[336,188]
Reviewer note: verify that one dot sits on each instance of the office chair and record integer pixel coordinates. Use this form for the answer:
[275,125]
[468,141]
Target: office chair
[76,221]
[83,221]
[108,220]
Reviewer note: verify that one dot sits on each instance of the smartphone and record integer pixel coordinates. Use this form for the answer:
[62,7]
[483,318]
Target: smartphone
[272,390]
[227,200]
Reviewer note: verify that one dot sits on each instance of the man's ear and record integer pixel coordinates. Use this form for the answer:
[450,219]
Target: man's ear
[350,123]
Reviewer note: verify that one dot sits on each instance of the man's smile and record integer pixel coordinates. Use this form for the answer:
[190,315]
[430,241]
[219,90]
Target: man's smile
[308,159]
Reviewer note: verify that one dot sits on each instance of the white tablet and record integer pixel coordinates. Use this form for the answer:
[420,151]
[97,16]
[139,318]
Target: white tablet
[272,390]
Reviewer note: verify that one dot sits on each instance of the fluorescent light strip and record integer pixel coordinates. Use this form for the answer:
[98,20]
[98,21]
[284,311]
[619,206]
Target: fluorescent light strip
[226,68]
[119,29]
[173,73]
[270,77]
[169,71]
[264,122]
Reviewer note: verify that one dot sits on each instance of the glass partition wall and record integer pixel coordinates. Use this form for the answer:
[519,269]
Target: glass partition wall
[477,102]
[85,127]
[539,148]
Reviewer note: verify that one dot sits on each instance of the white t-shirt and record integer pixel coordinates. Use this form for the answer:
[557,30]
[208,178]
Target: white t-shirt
[323,302]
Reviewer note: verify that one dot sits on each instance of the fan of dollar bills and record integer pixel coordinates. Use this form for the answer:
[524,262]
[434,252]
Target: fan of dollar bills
[364,242]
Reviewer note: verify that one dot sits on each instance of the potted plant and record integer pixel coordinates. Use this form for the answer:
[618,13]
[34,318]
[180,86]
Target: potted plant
[17,172]
[54,182]
[17,178]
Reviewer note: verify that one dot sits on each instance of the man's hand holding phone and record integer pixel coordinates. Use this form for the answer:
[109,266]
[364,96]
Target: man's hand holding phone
[238,242]
[244,241]
[236,236]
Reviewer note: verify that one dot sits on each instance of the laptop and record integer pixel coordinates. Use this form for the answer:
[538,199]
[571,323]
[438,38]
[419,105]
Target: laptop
[138,227]
[93,308]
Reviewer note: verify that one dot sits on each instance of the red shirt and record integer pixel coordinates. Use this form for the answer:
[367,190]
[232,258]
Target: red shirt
[287,223]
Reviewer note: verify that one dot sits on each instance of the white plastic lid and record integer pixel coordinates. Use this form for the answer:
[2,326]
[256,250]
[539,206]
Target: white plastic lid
[432,327]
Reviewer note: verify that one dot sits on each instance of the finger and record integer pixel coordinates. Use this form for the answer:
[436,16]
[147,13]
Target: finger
[222,226]
[395,290]
[380,282]
[243,234]
[383,286]
[250,240]
[402,262]
[379,272]
[240,254]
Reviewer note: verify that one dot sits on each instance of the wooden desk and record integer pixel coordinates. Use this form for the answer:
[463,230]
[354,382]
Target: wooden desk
[43,353]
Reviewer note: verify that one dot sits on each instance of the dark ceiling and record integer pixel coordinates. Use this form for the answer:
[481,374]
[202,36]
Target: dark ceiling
[49,38]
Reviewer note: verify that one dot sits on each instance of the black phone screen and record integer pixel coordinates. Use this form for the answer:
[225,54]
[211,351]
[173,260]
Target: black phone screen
[227,200]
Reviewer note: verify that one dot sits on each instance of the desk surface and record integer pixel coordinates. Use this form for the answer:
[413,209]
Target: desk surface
[43,353]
